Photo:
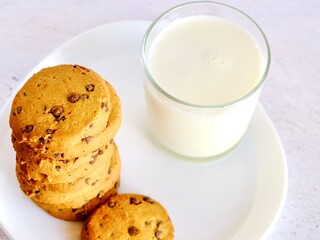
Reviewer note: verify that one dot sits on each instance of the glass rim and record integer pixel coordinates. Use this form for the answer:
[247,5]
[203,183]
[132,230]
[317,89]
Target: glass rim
[203,106]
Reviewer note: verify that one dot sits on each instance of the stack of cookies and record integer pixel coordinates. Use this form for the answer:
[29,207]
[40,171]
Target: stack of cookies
[63,122]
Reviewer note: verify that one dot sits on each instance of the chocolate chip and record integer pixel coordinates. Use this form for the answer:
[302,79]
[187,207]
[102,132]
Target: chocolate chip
[28,129]
[92,161]
[58,168]
[105,106]
[148,199]
[111,204]
[42,140]
[84,96]
[87,180]
[158,234]
[50,131]
[135,201]
[24,94]
[90,87]
[73,97]
[62,118]
[82,215]
[56,111]
[133,231]
[95,152]
[15,112]
[100,152]
[37,191]
[58,155]
[19,109]
[94,183]
[147,223]
[159,222]
[87,139]
[65,161]
[91,125]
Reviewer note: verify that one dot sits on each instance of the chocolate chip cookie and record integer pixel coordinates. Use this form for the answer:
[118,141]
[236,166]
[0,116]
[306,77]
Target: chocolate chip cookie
[129,216]
[44,193]
[60,107]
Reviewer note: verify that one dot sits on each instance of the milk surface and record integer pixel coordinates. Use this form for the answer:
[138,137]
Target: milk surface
[205,60]
[202,60]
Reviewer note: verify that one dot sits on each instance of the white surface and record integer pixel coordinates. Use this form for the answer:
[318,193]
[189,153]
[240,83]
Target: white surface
[29,30]
[241,194]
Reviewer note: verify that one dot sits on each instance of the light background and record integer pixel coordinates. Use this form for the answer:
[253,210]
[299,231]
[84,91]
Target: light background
[30,30]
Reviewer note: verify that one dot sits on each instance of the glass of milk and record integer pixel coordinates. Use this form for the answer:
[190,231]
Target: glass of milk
[205,64]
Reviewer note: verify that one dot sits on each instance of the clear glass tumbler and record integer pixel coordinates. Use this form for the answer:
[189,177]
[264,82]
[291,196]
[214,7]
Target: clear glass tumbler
[196,129]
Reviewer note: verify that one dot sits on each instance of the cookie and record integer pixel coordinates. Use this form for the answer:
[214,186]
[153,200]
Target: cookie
[85,178]
[83,146]
[79,214]
[60,106]
[65,171]
[67,199]
[129,216]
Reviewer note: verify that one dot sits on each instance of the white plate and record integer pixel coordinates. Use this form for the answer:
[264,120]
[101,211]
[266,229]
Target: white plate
[238,196]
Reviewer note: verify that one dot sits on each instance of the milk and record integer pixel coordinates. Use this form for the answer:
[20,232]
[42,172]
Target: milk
[205,60]
[201,67]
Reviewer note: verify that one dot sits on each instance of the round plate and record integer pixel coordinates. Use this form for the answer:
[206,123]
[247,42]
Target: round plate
[235,196]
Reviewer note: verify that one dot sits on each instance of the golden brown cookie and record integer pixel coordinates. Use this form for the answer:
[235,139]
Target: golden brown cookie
[38,191]
[85,178]
[65,171]
[129,216]
[69,150]
[60,106]
[79,214]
